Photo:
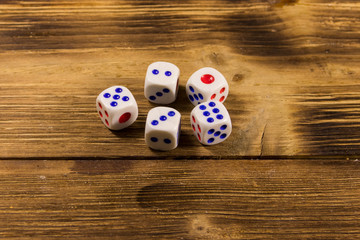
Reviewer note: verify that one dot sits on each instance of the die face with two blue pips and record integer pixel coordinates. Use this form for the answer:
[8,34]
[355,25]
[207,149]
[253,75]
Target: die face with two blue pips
[162,82]
[210,122]
[162,128]
[117,107]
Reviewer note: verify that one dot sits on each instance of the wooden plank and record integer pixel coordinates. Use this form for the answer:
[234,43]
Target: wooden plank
[293,79]
[178,199]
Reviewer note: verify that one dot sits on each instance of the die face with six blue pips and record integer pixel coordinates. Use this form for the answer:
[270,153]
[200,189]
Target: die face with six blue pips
[162,128]
[211,122]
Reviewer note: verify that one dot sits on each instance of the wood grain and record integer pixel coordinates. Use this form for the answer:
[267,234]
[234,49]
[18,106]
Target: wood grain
[289,170]
[292,67]
[178,199]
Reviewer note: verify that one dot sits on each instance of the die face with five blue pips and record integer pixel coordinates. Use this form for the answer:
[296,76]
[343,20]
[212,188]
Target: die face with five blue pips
[162,82]
[162,128]
[210,122]
[117,107]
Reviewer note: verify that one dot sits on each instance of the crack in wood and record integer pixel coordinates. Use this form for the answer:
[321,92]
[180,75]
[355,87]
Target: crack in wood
[262,141]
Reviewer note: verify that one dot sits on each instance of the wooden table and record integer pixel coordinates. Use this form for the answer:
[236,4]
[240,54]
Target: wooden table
[289,170]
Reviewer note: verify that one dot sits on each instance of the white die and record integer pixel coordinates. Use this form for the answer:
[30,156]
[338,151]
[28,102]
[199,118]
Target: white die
[162,82]
[211,122]
[117,107]
[207,84]
[162,128]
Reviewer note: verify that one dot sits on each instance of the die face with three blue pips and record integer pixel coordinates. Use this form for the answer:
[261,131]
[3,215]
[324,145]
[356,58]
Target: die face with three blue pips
[162,82]
[210,122]
[117,107]
[162,128]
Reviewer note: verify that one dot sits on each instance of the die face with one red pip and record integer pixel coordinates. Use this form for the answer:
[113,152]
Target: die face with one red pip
[210,122]
[117,107]
[162,82]
[207,84]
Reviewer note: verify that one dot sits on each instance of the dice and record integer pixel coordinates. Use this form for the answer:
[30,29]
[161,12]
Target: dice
[207,84]
[162,82]
[117,107]
[162,128]
[210,122]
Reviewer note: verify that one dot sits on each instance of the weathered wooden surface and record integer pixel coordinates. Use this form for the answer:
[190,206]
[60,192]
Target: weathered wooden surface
[180,199]
[293,72]
[291,167]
